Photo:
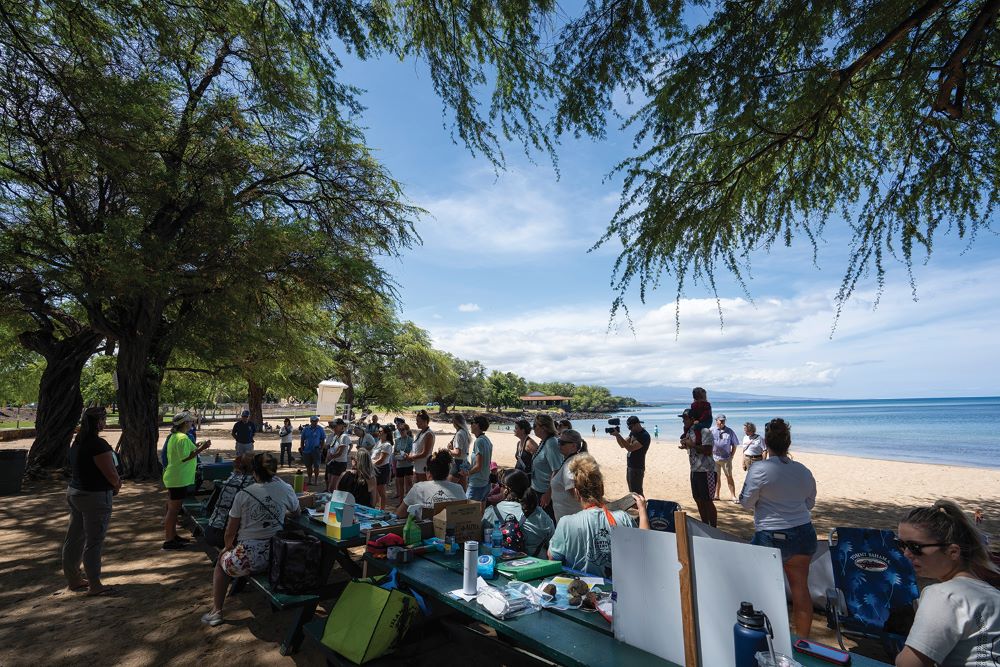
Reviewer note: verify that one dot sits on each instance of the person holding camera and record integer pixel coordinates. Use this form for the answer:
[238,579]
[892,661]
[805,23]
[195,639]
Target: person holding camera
[637,444]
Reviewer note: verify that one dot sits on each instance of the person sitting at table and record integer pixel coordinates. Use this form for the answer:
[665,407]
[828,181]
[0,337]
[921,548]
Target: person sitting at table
[258,512]
[521,502]
[240,478]
[361,480]
[437,490]
[582,541]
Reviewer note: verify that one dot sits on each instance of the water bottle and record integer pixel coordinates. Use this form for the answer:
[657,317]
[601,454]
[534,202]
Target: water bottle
[298,482]
[749,635]
[218,457]
[470,567]
[497,540]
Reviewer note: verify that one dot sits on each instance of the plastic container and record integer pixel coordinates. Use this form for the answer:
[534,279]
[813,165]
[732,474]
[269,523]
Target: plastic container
[12,463]
[780,660]
[749,636]
[497,537]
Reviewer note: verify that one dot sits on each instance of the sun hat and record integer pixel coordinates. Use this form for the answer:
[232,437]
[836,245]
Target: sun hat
[182,417]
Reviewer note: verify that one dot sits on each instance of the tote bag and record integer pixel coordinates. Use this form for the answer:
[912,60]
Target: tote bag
[296,563]
[368,621]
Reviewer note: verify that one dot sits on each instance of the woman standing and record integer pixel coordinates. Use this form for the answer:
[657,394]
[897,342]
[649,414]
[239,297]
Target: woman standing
[564,501]
[546,461]
[958,619]
[178,475]
[423,447]
[258,512]
[285,442]
[482,458]
[753,446]
[381,459]
[526,447]
[404,467]
[781,492]
[459,450]
[94,481]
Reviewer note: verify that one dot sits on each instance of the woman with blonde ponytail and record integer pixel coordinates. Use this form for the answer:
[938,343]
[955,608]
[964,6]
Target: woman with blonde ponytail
[958,619]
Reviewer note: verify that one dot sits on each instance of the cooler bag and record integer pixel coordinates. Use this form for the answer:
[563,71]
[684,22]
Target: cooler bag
[368,621]
[295,563]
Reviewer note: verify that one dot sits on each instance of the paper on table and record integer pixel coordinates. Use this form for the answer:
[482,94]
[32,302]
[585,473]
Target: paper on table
[457,593]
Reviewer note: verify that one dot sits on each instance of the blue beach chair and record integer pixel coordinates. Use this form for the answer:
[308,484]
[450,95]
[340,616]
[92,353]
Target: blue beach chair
[875,587]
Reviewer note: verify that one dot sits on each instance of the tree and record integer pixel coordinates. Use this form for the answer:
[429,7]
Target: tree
[883,113]
[155,156]
[504,390]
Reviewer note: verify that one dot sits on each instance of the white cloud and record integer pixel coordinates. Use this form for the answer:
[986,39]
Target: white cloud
[940,345]
[468,308]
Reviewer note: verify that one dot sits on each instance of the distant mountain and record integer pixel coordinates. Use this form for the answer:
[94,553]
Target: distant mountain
[683,395]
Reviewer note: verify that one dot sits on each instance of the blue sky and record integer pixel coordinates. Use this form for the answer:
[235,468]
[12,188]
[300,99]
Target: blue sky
[504,276]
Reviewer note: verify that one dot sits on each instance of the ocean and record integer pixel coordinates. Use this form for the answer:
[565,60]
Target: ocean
[952,431]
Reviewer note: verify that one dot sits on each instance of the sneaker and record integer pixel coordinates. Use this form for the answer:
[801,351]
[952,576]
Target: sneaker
[173,545]
[212,618]
[182,540]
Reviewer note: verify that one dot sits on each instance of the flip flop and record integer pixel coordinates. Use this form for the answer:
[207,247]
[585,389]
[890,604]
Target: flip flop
[76,588]
[107,591]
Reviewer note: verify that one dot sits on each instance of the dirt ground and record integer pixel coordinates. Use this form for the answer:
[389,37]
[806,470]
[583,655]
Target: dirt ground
[154,619]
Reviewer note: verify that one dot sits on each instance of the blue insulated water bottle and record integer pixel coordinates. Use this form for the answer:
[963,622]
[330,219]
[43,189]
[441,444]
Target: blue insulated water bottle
[749,635]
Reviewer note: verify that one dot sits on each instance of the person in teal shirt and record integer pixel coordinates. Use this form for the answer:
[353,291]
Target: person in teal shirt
[582,541]
[521,502]
[178,475]
[546,460]
[481,456]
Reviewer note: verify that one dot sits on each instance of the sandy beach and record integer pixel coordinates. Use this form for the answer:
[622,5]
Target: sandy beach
[155,619]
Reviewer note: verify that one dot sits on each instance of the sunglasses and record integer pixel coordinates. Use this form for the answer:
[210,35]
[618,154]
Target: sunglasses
[916,548]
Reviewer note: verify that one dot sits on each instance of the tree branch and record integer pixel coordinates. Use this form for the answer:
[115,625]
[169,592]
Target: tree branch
[953,73]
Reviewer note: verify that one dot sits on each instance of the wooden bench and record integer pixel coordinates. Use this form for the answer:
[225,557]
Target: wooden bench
[306,605]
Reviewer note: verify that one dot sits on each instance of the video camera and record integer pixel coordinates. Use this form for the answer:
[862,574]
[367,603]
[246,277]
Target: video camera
[616,425]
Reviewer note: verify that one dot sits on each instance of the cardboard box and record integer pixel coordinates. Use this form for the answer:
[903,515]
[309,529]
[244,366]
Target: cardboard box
[465,516]
[307,500]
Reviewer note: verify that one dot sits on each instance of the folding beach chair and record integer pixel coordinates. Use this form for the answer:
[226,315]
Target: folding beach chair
[875,587]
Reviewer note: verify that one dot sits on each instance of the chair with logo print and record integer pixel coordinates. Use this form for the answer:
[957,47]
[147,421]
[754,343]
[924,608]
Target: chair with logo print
[875,588]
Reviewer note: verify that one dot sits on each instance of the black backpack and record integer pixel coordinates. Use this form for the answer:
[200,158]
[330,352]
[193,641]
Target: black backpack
[296,560]
[510,529]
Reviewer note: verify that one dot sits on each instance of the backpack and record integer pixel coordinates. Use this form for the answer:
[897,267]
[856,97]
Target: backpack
[295,562]
[510,530]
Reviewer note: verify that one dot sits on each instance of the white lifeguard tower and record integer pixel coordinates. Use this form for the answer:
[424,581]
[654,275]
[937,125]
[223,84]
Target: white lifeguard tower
[327,394]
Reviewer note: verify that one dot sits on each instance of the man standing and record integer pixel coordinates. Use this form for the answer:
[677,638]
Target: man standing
[311,445]
[374,426]
[703,475]
[753,446]
[636,445]
[723,449]
[338,453]
[243,432]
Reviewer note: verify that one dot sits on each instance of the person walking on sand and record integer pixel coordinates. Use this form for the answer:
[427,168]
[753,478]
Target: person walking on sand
[93,483]
[243,433]
[723,449]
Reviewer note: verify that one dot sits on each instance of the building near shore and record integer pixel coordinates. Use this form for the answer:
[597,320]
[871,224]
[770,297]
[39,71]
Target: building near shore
[536,400]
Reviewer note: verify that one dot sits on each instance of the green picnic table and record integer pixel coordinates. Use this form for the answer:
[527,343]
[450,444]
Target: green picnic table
[567,637]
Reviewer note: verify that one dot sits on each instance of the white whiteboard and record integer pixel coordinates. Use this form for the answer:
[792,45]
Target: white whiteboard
[726,574]
[647,586]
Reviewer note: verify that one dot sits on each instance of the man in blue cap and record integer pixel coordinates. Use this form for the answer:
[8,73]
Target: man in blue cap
[243,432]
[311,446]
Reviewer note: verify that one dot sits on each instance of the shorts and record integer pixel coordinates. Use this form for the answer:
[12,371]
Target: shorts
[336,467]
[404,472]
[310,459]
[703,485]
[797,541]
[724,465]
[178,492]
[243,447]
[246,558]
[382,475]
[477,492]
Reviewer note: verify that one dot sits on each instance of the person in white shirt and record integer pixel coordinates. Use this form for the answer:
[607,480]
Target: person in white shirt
[258,512]
[459,450]
[338,454]
[753,446]
[781,492]
[437,490]
[958,619]
[423,445]
[285,435]
[382,460]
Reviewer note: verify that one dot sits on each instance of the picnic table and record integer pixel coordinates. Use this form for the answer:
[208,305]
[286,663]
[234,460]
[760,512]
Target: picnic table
[571,637]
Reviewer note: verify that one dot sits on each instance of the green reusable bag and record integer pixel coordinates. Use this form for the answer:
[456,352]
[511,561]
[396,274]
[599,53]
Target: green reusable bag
[367,622]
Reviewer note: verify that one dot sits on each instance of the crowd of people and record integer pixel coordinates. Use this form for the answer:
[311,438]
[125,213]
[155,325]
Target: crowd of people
[554,492]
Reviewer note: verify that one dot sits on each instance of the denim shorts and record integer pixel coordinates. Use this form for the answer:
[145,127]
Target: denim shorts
[477,492]
[797,541]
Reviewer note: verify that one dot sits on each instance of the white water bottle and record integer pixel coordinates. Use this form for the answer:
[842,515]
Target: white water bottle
[470,567]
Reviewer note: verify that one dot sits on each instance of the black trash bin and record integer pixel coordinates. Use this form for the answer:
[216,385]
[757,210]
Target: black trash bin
[12,463]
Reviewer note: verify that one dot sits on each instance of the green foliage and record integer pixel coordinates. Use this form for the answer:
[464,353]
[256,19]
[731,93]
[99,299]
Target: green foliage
[20,369]
[762,121]
[97,382]
[504,390]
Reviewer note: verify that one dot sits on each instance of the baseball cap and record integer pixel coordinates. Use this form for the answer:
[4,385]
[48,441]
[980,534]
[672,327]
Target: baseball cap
[686,413]
[245,413]
[569,436]
[182,417]
[722,417]
[314,418]
[632,420]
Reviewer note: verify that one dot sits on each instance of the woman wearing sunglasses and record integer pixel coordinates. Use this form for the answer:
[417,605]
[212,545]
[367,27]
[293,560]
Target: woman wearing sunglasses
[958,619]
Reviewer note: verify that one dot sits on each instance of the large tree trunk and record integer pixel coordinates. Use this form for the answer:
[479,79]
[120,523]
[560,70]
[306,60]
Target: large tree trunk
[59,398]
[255,400]
[142,355]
